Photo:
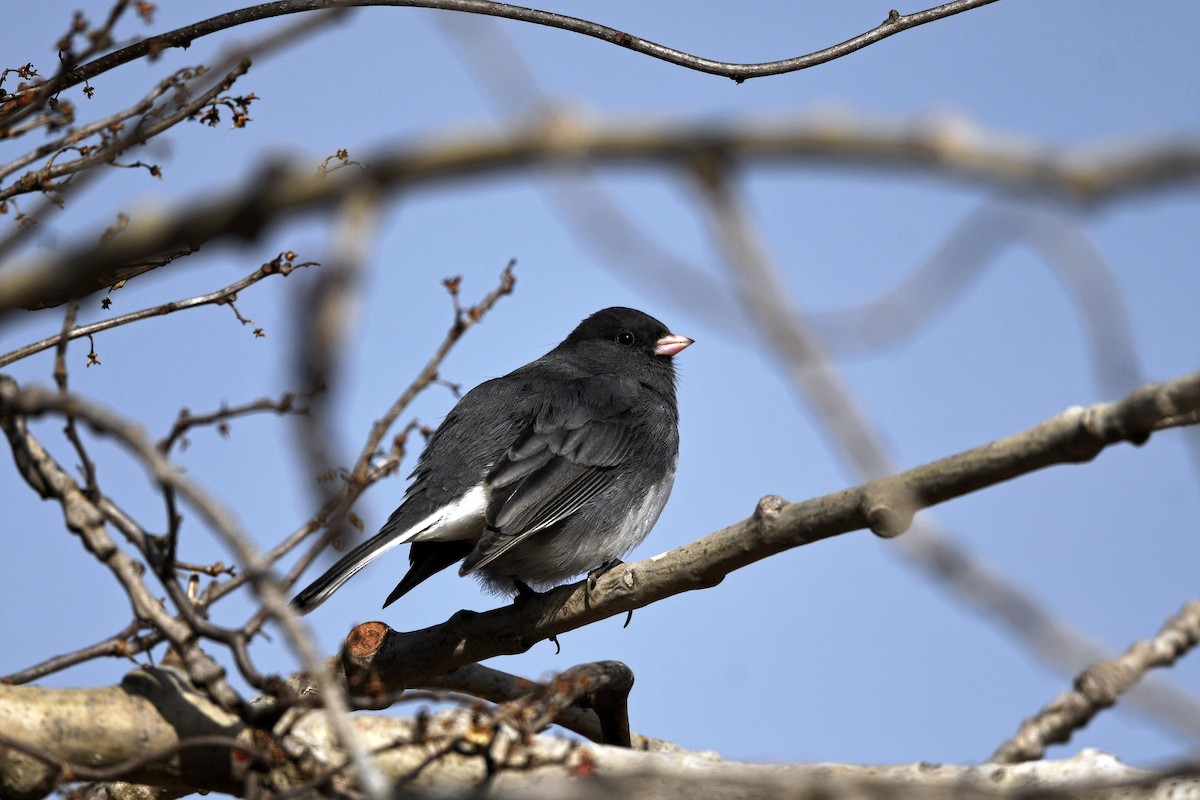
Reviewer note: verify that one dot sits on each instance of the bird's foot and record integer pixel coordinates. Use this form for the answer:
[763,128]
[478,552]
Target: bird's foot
[524,592]
[594,576]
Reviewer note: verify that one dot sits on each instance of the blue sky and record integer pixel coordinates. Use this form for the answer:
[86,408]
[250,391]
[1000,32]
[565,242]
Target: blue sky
[841,651]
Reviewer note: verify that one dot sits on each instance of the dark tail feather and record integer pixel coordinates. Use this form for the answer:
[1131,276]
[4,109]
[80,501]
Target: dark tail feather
[428,559]
[346,567]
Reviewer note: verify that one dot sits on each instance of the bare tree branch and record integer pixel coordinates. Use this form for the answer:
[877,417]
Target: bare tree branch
[44,474]
[118,646]
[1099,686]
[279,265]
[77,732]
[183,37]
[326,314]
[157,731]
[783,327]
[387,660]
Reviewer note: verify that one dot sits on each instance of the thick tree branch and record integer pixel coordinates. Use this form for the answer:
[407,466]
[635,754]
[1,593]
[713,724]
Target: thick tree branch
[154,711]
[1086,174]
[380,659]
[155,731]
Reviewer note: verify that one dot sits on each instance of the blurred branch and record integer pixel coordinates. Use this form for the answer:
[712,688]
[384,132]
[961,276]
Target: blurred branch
[183,37]
[391,660]
[1084,175]
[632,250]
[1099,686]
[326,313]
[812,370]
[961,259]
[499,67]
[976,242]
[371,464]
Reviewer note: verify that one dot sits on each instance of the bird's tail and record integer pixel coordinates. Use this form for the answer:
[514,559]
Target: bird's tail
[347,566]
[460,519]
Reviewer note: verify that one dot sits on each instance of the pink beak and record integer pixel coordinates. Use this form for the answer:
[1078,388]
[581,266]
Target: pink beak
[670,344]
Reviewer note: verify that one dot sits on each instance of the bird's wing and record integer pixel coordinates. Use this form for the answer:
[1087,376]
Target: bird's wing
[571,452]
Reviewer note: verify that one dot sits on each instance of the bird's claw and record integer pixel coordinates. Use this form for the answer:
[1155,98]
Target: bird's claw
[594,576]
[524,592]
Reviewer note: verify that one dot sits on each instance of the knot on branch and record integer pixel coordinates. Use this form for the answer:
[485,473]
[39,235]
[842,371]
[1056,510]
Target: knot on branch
[362,645]
[768,508]
[888,512]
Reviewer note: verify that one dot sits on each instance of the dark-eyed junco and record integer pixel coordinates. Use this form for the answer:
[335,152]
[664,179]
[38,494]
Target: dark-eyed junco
[555,469]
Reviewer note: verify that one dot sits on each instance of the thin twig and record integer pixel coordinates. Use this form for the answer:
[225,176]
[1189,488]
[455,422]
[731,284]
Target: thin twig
[182,37]
[230,67]
[219,297]
[186,420]
[138,136]
[325,311]
[118,645]
[74,137]
[365,470]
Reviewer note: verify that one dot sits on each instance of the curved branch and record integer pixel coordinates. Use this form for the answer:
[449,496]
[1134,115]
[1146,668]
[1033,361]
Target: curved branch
[183,37]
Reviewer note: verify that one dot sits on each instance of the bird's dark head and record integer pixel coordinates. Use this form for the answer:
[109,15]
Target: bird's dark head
[621,331]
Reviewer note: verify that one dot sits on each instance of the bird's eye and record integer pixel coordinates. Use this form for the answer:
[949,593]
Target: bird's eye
[626,338]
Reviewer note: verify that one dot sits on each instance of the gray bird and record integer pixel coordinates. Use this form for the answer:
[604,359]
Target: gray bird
[558,468]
